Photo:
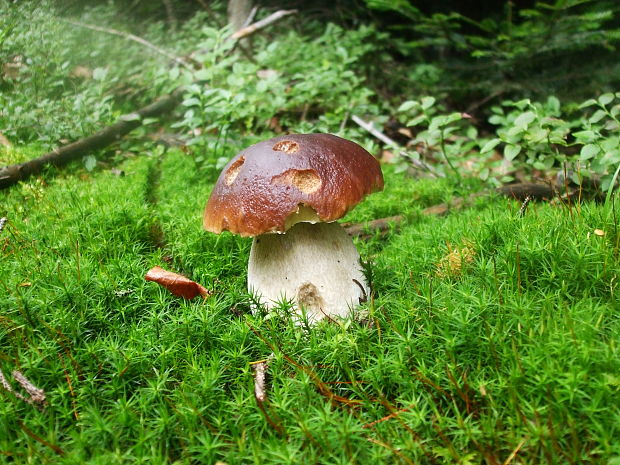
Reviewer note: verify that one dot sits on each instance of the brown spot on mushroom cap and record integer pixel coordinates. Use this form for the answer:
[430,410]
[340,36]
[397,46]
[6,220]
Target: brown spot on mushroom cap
[233,171]
[328,174]
[287,146]
[306,181]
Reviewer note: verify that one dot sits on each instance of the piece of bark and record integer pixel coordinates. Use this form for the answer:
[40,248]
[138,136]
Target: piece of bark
[177,284]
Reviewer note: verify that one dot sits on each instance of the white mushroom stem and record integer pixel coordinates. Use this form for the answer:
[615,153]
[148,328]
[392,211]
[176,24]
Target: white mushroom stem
[315,265]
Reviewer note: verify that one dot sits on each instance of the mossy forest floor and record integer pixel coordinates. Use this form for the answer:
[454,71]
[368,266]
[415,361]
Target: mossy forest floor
[489,338]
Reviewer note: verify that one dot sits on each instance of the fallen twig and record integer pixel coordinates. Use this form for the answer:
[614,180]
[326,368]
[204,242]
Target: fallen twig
[252,28]
[392,143]
[519,191]
[260,369]
[36,395]
[127,35]
[381,224]
[10,175]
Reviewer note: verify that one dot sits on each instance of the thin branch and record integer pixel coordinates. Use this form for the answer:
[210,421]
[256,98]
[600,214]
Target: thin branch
[260,370]
[250,17]
[37,396]
[251,29]
[392,143]
[172,20]
[520,191]
[10,175]
[375,132]
[135,38]
[381,225]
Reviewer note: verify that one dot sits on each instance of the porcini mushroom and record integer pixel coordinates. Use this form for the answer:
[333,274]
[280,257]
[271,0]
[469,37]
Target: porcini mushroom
[287,193]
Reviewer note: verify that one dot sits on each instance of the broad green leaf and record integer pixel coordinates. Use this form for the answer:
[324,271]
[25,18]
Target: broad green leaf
[521,104]
[597,116]
[610,143]
[514,131]
[452,117]
[417,120]
[585,136]
[484,174]
[89,162]
[553,103]
[588,151]
[524,119]
[190,102]
[490,145]
[427,102]
[496,119]
[511,151]
[588,103]
[407,105]
[605,99]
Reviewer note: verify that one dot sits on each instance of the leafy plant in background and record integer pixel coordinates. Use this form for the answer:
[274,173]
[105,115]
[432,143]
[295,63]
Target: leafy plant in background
[537,137]
[283,89]
[533,137]
[548,49]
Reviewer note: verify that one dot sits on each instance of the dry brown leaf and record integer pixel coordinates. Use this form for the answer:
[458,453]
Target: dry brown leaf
[178,284]
[4,141]
[406,132]
[81,72]
[387,156]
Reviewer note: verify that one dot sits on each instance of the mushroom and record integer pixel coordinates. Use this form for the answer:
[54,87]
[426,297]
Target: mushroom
[287,193]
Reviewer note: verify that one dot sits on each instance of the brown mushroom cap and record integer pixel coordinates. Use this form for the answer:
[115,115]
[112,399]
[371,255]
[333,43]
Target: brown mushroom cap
[269,182]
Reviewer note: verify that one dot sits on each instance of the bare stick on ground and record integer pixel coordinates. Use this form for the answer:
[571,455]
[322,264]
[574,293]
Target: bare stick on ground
[252,28]
[520,191]
[260,371]
[36,395]
[10,175]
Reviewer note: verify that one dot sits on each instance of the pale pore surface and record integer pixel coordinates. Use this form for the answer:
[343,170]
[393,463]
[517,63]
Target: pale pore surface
[315,265]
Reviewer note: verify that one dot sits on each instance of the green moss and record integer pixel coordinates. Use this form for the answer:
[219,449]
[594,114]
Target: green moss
[519,343]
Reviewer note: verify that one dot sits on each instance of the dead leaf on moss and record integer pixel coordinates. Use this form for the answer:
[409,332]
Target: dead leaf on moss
[177,284]
[4,141]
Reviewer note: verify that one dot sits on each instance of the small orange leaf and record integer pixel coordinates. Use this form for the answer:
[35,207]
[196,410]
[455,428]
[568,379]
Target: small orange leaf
[178,284]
